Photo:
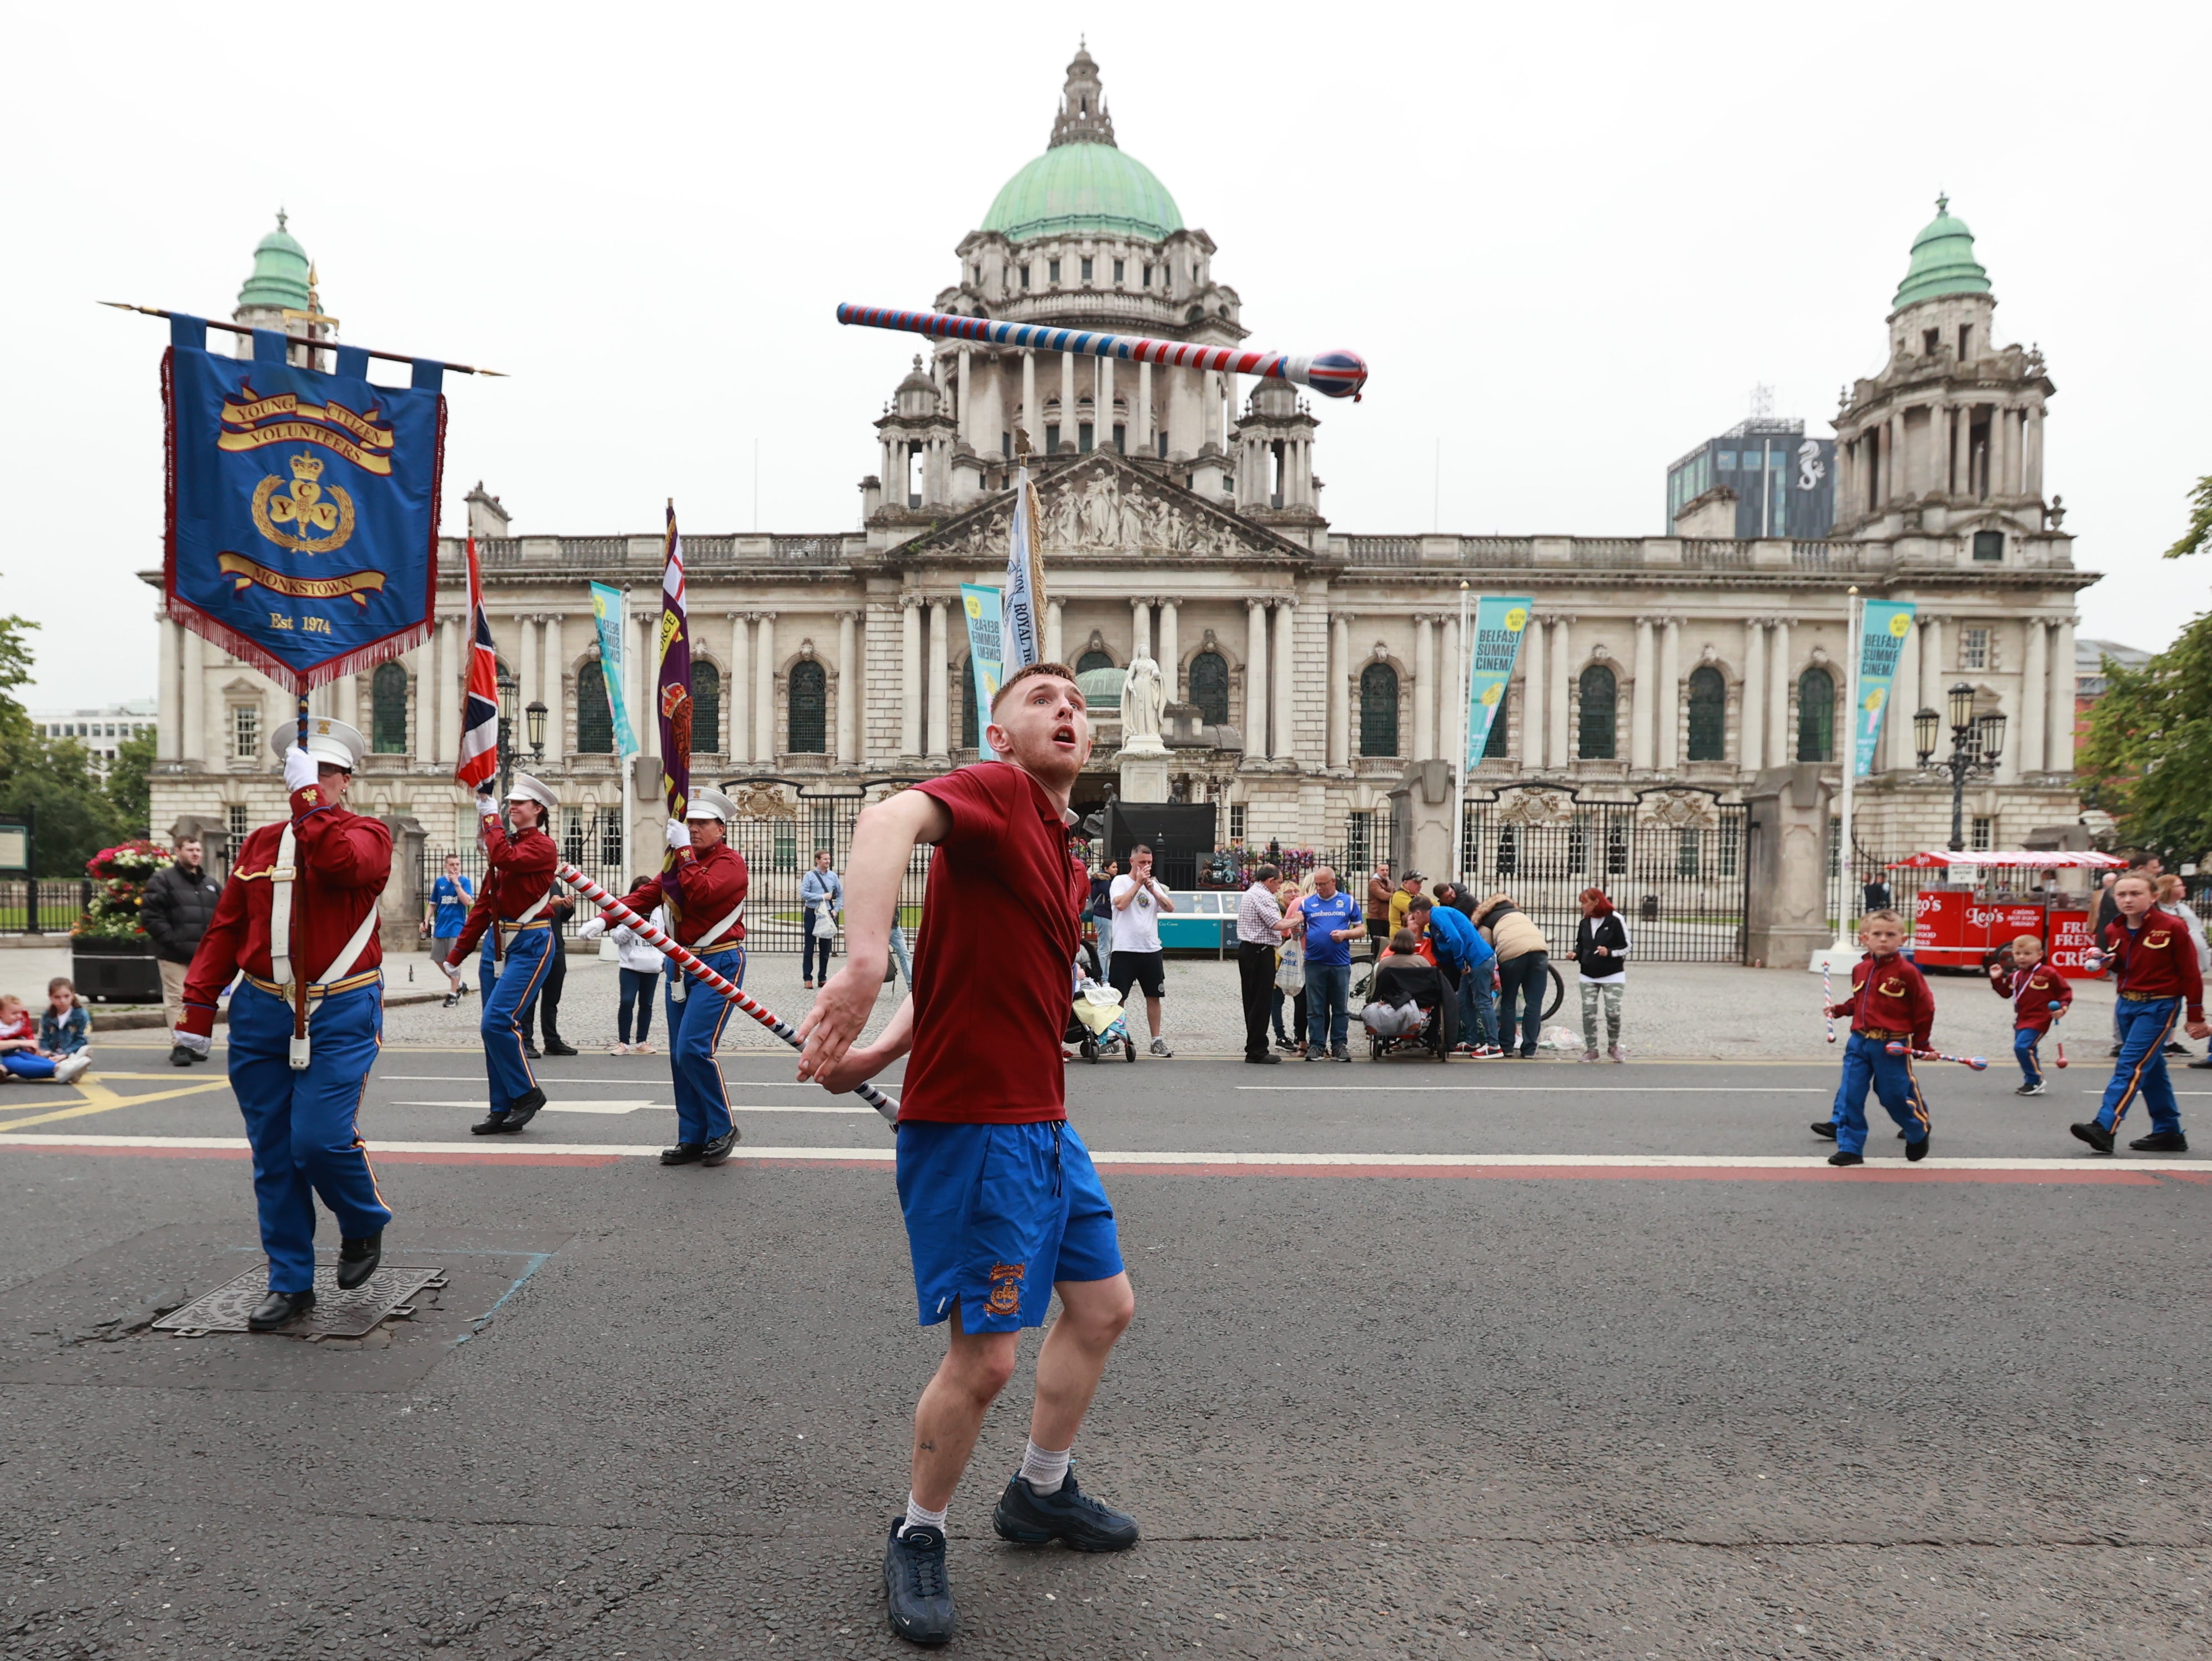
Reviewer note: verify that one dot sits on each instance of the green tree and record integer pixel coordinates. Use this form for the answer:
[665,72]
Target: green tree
[127,782]
[15,671]
[54,780]
[2200,521]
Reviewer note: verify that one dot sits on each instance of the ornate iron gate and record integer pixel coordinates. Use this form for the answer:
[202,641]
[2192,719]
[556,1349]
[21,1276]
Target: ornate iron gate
[780,824]
[1675,863]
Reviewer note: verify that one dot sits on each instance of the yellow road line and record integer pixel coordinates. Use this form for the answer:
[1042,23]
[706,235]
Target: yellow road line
[99,1098]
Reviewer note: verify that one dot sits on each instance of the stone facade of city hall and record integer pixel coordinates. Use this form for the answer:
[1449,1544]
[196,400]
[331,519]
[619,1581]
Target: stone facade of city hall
[1183,513]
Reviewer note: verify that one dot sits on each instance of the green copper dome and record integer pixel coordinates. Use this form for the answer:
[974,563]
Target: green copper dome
[1075,187]
[280,272]
[1943,261]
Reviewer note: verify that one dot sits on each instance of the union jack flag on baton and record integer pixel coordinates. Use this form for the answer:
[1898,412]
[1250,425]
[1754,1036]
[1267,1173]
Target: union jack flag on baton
[479,757]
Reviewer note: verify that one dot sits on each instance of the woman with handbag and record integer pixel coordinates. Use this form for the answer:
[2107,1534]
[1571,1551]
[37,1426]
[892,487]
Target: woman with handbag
[822,896]
[640,967]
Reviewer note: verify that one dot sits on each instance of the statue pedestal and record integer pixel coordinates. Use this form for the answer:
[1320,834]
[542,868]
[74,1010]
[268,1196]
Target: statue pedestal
[1144,772]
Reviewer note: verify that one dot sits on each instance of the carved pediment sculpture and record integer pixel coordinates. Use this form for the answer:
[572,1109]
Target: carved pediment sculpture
[1684,809]
[764,801]
[1534,807]
[1109,508]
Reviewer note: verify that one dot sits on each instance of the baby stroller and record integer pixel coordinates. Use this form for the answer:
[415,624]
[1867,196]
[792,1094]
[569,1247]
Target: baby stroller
[1431,1034]
[1096,1025]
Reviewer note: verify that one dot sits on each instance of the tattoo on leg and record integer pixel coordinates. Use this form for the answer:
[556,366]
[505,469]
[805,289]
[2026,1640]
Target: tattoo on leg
[929,1447]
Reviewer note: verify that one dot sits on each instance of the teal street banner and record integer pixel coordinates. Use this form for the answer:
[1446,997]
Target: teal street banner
[1499,627]
[607,611]
[986,655]
[1887,625]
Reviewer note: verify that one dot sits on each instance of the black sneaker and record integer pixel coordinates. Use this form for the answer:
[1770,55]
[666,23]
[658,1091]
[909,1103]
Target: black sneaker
[2161,1142]
[1264,1058]
[452,1000]
[2095,1135]
[1839,1157]
[2034,1089]
[1070,1515]
[1824,1128]
[919,1596]
[1917,1151]
[180,1055]
[717,1149]
[553,1046]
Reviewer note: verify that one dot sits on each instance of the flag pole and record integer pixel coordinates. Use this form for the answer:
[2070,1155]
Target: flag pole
[316,345]
[1854,628]
[1462,730]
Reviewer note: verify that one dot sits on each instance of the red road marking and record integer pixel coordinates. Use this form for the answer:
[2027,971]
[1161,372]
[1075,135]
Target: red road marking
[463,1157]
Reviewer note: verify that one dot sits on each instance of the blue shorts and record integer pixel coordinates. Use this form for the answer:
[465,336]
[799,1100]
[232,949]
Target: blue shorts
[995,1214]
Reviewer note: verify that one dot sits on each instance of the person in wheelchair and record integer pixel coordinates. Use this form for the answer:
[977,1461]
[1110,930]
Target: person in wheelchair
[1409,995]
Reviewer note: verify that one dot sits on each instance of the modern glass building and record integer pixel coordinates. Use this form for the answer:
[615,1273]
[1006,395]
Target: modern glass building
[1784,482]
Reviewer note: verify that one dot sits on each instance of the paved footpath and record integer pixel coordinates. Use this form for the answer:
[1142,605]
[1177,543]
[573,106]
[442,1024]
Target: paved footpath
[1510,1359]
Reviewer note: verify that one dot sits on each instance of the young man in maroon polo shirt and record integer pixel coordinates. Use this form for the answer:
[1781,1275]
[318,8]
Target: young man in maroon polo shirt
[1002,1205]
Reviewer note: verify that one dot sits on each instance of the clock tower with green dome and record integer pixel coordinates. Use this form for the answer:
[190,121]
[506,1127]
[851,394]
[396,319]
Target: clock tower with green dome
[280,295]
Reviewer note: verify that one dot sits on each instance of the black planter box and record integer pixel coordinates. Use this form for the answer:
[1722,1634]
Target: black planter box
[115,971]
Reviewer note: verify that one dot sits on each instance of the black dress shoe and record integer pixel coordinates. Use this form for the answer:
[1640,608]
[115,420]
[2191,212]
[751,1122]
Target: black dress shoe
[716,1150]
[1839,1157]
[1917,1151]
[1826,1128]
[490,1125]
[531,1051]
[278,1307]
[2095,1134]
[2161,1142]
[1266,1059]
[683,1152]
[524,1110]
[553,1046]
[357,1260]
[180,1055]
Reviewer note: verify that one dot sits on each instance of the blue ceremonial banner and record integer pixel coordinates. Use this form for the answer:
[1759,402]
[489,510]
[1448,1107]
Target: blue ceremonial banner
[302,507]
[1886,627]
[608,611]
[985,656]
[1499,627]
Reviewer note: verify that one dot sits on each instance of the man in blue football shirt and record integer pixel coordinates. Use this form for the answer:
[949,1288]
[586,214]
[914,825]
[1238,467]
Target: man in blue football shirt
[449,900]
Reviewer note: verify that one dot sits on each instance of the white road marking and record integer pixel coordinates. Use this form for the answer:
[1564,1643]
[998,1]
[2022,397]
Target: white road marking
[633,1106]
[1557,1089]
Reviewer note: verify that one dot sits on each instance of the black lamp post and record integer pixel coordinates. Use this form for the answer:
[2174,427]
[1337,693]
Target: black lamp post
[536,713]
[509,690]
[1976,743]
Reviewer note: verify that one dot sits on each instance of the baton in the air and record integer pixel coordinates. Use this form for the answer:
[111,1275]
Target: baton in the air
[684,958]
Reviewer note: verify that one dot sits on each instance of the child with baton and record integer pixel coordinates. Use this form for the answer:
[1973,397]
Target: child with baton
[1889,1003]
[2040,995]
[2157,978]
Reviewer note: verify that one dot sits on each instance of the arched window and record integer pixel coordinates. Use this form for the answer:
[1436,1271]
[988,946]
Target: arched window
[810,708]
[387,700]
[971,730]
[1378,710]
[1209,687]
[1816,715]
[595,721]
[1708,715]
[1091,660]
[1493,748]
[706,708]
[1600,692]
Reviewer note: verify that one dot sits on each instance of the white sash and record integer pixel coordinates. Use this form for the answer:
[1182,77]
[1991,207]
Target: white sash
[680,988]
[280,877]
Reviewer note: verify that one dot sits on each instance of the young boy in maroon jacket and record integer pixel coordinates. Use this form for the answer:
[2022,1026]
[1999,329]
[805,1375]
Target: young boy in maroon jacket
[1889,1003]
[2034,988]
[2156,961]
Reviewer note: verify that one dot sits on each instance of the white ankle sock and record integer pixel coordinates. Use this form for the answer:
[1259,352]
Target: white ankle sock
[1044,1472]
[917,1517]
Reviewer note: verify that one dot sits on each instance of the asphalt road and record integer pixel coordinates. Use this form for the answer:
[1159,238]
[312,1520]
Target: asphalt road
[1532,1359]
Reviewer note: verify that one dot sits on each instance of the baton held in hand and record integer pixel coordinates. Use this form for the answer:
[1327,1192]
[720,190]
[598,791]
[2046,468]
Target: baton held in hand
[1978,1064]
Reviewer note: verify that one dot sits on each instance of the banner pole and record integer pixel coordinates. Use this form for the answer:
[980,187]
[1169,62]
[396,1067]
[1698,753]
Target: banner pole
[1849,749]
[1463,727]
[318,345]
[299,939]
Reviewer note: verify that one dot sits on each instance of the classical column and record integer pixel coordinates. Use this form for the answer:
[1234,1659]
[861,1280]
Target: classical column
[1170,651]
[1937,449]
[961,414]
[1255,678]
[1751,713]
[1532,696]
[526,671]
[556,663]
[1562,687]
[1903,700]
[1426,700]
[2000,450]
[736,687]
[1140,628]
[849,679]
[1067,399]
[1900,458]
[1451,711]
[1962,452]
[1030,424]
[175,691]
[2035,485]
[1141,418]
[645,677]
[1280,682]
[910,674]
[2034,698]
[1339,689]
[1935,673]
[1102,402]
[1669,699]
[191,695]
[1640,704]
[939,677]
[764,744]
[1780,752]
[1052,637]
[1883,463]
[2058,754]
[342,691]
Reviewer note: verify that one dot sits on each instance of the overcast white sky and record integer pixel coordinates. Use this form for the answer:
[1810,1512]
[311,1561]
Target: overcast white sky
[1569,240]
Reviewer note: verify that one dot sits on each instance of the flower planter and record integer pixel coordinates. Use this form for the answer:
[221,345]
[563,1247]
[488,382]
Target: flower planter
[115,971]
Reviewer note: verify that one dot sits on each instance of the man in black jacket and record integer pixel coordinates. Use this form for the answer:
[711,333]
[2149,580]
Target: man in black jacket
[560,909]
[176,909]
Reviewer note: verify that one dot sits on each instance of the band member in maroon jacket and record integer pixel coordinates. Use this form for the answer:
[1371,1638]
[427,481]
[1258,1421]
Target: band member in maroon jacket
[2158,978]
[704,890]
[509,918]
[2040,995]
[1889,1001]
[302,903]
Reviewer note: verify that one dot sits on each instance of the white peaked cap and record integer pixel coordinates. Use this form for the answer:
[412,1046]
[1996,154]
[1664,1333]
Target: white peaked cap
[710,804]
[327,741]
[527,789]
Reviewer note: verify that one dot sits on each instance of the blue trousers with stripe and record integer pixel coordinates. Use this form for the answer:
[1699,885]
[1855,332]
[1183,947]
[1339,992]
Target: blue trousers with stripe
[695,1027]
[301,1125]
[528,952]
[2141,1071]
[2024,1042]
[1867,1061]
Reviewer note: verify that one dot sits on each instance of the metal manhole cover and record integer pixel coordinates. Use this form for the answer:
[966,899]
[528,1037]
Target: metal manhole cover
[337,1314]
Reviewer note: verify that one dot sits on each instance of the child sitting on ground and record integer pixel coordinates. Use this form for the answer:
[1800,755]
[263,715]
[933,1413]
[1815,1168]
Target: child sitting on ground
[2033,986]
[22,1053]
[1404,982]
